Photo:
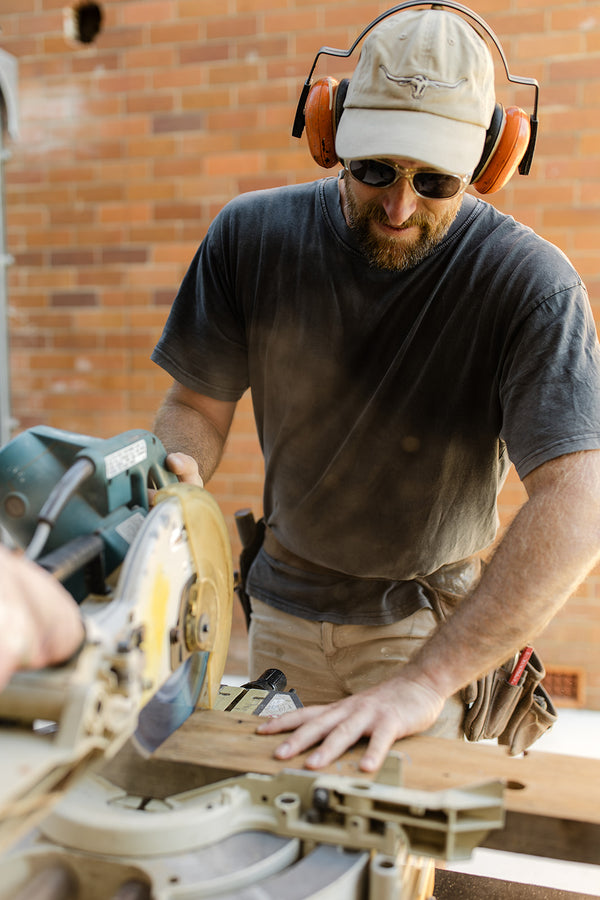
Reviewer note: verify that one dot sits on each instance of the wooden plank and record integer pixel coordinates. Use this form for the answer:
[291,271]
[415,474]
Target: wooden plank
[454,885]
[542,784]
[548,837]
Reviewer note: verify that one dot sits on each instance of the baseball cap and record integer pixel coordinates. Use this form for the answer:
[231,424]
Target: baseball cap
[423,89]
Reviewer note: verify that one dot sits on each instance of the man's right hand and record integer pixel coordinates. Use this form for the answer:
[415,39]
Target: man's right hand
[185,467]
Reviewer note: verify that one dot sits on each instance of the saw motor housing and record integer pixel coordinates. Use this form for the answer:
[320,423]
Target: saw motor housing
[90,494]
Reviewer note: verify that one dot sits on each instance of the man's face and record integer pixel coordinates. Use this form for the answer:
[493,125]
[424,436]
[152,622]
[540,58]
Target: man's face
[395,226]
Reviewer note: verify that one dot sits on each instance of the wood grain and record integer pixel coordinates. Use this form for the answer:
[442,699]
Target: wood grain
[538,783]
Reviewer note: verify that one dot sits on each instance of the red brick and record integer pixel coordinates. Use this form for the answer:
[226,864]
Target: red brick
[174,33]
[115,37]
[262,47]
[545,46]
[575,69]
[233,74]
[138,12]
[231,27]
[149,103]
[178,122]
[206,98]
[74,298]
[107,61]
[72,258]
[204,52]
[149,58]
[226,119]
[180,77]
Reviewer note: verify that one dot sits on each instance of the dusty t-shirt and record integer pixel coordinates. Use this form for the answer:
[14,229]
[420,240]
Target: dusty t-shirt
[388,404]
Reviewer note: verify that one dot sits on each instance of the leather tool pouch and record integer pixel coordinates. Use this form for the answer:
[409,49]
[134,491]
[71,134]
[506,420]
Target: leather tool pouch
[515,715]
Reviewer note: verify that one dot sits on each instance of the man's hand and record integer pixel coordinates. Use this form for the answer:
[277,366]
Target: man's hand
[185,467]
[385,713]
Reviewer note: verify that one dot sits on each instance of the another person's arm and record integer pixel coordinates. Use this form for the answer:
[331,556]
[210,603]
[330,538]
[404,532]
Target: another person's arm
[550,547]
[40,623]
[193,429]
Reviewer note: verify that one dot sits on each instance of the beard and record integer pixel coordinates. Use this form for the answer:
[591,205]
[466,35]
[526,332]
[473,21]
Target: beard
[388,252]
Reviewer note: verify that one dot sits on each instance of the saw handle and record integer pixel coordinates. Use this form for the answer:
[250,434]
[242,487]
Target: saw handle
[270,680]
[159,476]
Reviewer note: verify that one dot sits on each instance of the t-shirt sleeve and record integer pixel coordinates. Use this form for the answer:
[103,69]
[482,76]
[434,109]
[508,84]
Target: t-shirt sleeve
[550,382]
[203,345]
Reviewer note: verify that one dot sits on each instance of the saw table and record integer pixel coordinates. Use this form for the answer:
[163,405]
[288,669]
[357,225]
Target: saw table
[190,821]
[552,802]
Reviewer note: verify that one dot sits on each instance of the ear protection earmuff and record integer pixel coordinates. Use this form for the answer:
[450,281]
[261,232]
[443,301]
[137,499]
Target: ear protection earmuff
[510,138]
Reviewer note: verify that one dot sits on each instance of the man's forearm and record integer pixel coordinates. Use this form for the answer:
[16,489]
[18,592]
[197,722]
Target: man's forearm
[549,549]
[183,428]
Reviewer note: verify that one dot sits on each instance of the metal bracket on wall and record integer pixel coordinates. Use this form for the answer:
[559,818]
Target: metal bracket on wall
[8,109]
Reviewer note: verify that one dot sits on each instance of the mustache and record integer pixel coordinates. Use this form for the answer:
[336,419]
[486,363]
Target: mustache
[374,212]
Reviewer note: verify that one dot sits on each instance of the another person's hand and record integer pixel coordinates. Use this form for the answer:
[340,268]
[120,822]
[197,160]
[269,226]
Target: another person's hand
[40,623]
[385,713]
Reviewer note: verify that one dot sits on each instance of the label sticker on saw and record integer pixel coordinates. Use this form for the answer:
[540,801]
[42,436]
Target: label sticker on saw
[130,527]
[121,460]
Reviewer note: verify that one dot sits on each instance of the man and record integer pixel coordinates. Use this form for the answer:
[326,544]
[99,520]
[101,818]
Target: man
[402,341]
[40,623]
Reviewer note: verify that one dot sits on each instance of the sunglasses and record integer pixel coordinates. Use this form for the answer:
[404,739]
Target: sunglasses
[429,185]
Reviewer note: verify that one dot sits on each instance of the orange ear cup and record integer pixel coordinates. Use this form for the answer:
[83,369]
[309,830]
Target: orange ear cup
[319,113]
[508,152]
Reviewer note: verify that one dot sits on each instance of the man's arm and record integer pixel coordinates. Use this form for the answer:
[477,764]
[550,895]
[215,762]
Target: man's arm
[193,429]
[552,544]
[40,623]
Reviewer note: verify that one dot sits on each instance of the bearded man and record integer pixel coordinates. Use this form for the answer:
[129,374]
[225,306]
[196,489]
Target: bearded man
[404,343]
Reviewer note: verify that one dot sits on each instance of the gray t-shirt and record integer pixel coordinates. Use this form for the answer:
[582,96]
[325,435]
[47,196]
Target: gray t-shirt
[388,404]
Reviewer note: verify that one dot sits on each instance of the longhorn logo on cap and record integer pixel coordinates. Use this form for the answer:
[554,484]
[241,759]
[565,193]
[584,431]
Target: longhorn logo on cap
[419,83]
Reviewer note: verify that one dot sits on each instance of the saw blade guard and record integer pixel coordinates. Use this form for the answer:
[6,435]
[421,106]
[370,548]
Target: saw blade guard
[210,610]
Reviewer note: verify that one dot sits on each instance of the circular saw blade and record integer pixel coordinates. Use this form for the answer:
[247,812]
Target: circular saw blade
[172,704]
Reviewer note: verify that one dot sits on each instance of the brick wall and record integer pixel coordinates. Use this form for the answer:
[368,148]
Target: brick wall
[129,146]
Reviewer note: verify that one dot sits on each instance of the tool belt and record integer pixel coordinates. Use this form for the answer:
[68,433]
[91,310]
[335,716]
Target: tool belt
[514,714]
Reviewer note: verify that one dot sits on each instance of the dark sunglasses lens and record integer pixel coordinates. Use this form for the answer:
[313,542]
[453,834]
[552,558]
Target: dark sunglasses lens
[436,185]
[372,172]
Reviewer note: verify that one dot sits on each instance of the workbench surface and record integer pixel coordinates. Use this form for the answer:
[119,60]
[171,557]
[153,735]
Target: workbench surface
[542,784]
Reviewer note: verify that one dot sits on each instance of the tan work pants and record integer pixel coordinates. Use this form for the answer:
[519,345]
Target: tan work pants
[326,662]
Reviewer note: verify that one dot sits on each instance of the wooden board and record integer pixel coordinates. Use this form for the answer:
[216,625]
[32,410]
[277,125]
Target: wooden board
[542,784]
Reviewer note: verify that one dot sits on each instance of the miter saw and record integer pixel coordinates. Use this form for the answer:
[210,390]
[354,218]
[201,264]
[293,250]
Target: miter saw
[155,588]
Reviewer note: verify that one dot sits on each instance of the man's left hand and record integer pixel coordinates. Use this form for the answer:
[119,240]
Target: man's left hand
[385,713]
